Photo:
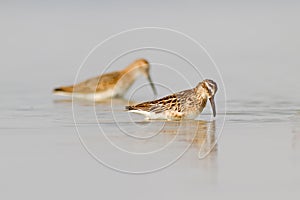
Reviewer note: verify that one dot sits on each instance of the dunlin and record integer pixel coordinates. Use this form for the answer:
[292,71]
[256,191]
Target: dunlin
[186,104]
[114,84]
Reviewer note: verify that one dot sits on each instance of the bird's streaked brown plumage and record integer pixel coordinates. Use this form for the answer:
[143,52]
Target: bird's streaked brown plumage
[185,104]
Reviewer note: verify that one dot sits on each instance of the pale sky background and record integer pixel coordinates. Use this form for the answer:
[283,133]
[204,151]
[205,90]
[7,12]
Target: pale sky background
[255,44]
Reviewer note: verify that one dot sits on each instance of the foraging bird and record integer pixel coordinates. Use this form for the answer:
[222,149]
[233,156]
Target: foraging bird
[114,84]
[186,104]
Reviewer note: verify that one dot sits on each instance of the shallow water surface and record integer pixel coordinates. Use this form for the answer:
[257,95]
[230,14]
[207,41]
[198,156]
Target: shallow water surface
[259,146]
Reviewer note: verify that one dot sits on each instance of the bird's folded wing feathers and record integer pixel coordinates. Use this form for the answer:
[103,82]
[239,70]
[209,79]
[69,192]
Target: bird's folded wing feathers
[98,84]
[167,103]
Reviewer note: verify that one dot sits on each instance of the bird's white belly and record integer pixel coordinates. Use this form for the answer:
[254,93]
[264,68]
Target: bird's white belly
[164,115]
[118,91]
[98,96]
[167,115]
[150,115]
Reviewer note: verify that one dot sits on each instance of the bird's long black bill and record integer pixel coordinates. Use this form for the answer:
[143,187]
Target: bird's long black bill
[213,106]
[152,85]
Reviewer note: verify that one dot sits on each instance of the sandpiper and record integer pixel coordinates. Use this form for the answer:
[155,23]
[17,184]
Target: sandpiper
[187,104]
[114,84]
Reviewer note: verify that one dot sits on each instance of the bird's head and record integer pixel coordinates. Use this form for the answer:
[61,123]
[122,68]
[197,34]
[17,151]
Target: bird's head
[142,66]
[208,89]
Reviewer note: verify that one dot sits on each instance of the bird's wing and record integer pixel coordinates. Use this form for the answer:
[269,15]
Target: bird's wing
[96,84]
[171,102]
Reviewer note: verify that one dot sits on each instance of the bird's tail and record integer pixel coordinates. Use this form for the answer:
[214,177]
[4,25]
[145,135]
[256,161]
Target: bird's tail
[129,108]
[63,89]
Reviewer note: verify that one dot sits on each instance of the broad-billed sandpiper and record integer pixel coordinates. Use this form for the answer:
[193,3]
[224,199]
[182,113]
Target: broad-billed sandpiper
[114,84]
[187,104]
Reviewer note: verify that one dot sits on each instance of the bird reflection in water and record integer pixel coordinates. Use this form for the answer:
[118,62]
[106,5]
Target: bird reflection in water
[200,134]
[296,132]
